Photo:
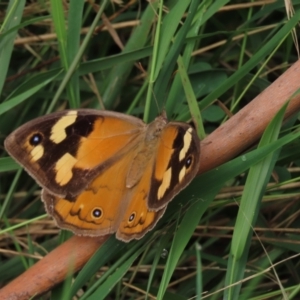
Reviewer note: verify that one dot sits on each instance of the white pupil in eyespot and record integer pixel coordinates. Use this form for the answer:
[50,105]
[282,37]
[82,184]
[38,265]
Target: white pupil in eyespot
[97,213]
[132,216]
[36,139]
[188,162]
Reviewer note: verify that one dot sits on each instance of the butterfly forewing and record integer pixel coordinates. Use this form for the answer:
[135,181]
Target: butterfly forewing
[65,151]
[176,163]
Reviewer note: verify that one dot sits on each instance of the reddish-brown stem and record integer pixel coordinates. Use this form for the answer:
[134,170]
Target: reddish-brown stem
[230,139]
[53,268]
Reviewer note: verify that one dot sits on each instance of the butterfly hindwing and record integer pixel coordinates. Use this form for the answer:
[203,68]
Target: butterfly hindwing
[106,205]
[137,218]
[98,209]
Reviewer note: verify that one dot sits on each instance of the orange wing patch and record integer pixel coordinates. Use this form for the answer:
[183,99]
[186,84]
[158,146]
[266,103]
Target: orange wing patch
[98,209]
[137,218]
[108,138]
[164,152]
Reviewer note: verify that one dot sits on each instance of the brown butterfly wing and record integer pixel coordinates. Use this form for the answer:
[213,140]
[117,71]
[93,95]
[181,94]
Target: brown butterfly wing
[65,151]
[99,208]
[104,172]
[107,205]
[137,219]
[172,165]
[176,163]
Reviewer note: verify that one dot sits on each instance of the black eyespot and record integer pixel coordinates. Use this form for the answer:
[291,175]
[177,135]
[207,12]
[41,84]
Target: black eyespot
[188,162]
[132,217]
[97,213]
[36,139]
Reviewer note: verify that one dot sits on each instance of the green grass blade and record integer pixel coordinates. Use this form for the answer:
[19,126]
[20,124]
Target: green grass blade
[102,256]
[14,101]
[191,98]
[255,186]
[8,164]
[168,29]
[182,236]
[110,278]
[163,244]
[118,75]
[199,287]
[57,12]
[169,63]
[176,87]
[73,43]
[12,19]
[75,62]
[8,196]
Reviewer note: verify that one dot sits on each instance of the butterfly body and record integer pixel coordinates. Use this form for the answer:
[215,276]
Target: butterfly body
[104,172]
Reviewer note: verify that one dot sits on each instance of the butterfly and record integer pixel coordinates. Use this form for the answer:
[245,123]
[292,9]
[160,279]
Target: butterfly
[105,172]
